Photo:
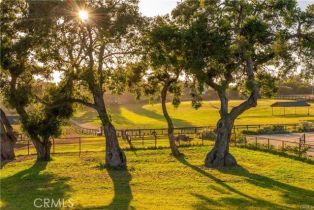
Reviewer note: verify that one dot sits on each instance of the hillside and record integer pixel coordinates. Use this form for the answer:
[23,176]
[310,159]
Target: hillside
[150,115]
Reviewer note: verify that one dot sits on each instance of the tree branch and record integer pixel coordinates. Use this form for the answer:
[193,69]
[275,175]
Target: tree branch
[81,101]
[252,100]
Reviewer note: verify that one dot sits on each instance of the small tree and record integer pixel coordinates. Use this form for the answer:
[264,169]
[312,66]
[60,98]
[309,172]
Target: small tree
[238,43]
[39,108]
[163,66]
[161,70]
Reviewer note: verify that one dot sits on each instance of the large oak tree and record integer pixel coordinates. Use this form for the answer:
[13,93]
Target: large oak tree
[243,44]
[92,54]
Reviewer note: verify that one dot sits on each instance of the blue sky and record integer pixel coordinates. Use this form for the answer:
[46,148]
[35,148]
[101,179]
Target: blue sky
[161,7]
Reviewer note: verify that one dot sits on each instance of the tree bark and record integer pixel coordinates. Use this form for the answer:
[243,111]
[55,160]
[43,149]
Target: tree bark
[174,149]
[8,138]
[42,149]
[219,156]
[114,156]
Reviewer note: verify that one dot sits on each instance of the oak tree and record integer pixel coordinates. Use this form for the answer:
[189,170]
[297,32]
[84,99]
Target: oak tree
[244,44]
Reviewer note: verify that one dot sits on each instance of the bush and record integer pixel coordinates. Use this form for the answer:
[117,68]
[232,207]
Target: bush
[276,129]
[296,150]
[208,135]
[306,127]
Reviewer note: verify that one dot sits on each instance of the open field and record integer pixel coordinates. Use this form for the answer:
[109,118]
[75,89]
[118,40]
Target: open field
[154,179]
[150,116]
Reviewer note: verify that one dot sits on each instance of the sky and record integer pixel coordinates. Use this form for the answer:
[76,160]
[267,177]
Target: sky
[161,7]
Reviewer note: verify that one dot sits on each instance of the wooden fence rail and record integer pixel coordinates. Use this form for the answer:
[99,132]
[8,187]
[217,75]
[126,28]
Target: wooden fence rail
[138,132]
[258,141]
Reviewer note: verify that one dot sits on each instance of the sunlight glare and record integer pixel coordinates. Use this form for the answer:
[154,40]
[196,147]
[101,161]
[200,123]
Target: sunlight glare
[83,15]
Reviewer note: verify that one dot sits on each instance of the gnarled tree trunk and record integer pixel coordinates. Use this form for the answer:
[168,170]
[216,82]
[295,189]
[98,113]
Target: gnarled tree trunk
[42,149]
[8,139]
[219,156]
[174,149]
[115,156]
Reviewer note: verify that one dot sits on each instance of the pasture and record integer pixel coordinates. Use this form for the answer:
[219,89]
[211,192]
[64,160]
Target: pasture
[150,115]
[156,180]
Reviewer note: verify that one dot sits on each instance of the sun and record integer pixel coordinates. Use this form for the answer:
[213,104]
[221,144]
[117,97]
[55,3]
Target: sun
[83,15]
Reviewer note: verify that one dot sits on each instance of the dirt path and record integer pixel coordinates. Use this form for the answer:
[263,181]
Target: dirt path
[290,139]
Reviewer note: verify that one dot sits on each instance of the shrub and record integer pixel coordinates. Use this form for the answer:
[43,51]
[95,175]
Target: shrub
[208,135]
[275,129]
[296,150]
[306,127]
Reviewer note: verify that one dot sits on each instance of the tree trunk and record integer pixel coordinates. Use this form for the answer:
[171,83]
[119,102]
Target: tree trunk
[114,156]
[8,138]
[42,149]
[174,149]
[219,156]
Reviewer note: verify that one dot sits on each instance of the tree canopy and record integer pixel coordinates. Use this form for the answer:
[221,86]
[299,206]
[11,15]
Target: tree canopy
[239,43]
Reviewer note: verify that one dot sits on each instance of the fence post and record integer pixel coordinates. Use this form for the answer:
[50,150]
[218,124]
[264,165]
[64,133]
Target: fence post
[300,148]
[53,145]
[79,146]
[27,146]
[245,141]
[255,142]
[268,145]
[304,138]
[283,146]
[155,136]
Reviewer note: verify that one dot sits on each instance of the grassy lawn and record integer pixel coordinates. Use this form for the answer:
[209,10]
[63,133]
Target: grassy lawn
[156,180]
[150,116]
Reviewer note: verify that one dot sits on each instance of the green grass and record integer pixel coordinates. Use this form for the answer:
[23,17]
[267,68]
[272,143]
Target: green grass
[150,116]
[156,180]
[97,144]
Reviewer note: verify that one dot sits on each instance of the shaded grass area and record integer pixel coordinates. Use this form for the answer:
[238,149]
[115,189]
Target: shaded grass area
[150,116]
[156,180]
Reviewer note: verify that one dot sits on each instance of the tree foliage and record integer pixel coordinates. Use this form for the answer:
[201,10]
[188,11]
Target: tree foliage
[40,104]
[237,43]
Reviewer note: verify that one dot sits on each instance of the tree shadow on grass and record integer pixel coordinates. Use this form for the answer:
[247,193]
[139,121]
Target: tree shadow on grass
[20,190]
[117,116]
[242,200]
[139,110]
[122,191]
[292,194]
